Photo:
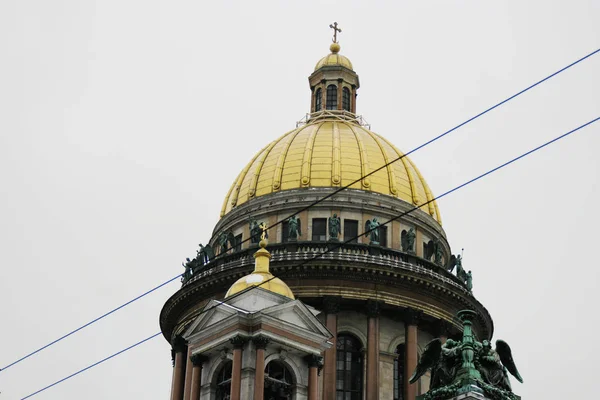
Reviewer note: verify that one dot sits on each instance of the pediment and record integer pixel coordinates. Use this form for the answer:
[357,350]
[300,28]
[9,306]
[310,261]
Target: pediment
[214,312]
[299,315]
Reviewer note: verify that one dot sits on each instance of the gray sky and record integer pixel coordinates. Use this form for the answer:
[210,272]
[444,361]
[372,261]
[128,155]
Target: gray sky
[123,124]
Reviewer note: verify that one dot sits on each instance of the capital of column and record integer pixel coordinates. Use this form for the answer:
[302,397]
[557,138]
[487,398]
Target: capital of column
[412,316]
[198,359]
[178,344]
[331,304]
[261,341]
[238,341]
[313,360]
[373,308]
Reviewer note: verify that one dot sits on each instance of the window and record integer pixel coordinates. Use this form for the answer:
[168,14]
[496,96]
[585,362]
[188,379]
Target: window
[350,230]
[331,97]
[237,243]
[224,381]
[278,382]
[383,235]
[285,231]
[399,373]
[346,99]
[318,99]
[319,229]
[349,377]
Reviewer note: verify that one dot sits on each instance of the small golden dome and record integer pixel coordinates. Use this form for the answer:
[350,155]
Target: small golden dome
[334,59]
[260,275]
[331,152]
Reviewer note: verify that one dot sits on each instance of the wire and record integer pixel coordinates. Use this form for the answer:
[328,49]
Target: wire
[320,200]
[92,365]
[421,146]
[334,247]
[90,323]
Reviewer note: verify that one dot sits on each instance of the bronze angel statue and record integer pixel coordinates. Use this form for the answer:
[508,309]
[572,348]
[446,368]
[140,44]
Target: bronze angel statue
[446,360]
[372,229]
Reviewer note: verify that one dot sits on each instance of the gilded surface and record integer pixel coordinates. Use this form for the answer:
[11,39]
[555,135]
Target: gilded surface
[331,153]
[334,60]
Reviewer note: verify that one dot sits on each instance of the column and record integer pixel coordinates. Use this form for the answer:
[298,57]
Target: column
[314,363]
[187,387]
[312,99]
[238,343]
[324,96]
[260,342]
[178,351]
[331,306]
[373,309]
[411,318]
[353,99]
[196,380]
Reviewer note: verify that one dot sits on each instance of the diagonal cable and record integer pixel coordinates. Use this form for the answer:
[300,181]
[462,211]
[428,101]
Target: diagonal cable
[331,249]
[316,202]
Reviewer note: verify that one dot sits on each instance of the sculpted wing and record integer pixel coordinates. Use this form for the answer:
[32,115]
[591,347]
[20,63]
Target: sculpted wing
[299,227]
[452,263]
[503,350]
[368,226]
[429,358]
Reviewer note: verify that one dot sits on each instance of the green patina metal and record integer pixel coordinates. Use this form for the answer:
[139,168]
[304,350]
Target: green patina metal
[467,366]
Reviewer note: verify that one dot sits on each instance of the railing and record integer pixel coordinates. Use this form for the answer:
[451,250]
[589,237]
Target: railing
[341,115]
[306,250]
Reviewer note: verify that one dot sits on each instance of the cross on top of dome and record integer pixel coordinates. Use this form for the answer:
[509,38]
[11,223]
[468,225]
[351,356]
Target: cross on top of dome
[335,28]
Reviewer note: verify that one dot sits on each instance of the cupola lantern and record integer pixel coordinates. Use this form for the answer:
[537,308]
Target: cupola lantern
[333,84]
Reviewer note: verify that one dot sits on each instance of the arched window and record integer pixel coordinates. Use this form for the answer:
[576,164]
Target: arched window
[224,381]
[278,382]
[399,373]
[349,368]
[346,99]
[318,99]
[331,97]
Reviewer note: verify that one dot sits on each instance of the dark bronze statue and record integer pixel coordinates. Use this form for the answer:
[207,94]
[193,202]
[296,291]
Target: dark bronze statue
[255,231]
[372,230]
[189,268]
[294,228]
[335,226]
[438,252]
[467,365]
[224,238]
[408,240]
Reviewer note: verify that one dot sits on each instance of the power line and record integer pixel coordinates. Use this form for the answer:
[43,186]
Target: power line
[92,365]
[319,201]
[335,247]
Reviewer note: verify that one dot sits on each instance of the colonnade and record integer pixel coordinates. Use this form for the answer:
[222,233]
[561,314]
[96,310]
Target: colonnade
[187,369]
[187,375]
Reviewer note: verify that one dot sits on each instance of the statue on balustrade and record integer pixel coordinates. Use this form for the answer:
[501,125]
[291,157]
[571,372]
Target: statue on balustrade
[372,230]
[189,268]
[225,237]
[438,252]
[467,365]
[255,231]
[294,228]
[335,226]
[408,240]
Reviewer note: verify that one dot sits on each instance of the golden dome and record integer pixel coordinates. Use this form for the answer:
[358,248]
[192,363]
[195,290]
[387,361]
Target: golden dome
[334,59]
[330,152]
[261,274]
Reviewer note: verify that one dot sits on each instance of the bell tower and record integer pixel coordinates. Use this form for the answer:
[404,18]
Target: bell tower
[333,84]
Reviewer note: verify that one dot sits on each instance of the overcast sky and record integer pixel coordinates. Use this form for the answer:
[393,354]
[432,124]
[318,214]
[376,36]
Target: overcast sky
[123,124]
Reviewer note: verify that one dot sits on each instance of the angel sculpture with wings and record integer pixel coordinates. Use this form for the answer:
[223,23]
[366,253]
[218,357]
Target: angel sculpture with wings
[444,361]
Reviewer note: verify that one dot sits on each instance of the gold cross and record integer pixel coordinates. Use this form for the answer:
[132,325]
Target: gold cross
[335,28]
[263,226]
